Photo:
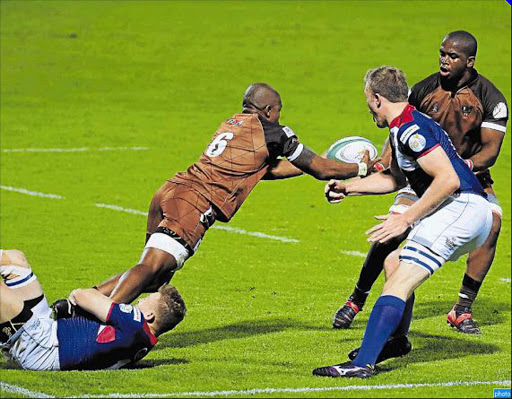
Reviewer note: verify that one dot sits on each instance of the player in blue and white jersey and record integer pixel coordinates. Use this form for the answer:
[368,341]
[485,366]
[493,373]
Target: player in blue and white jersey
[451,217]
[112,336]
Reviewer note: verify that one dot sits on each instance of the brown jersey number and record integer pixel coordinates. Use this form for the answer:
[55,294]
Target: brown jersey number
[219,144]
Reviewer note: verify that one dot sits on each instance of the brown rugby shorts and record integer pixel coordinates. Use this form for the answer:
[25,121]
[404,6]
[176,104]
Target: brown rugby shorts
[182,210]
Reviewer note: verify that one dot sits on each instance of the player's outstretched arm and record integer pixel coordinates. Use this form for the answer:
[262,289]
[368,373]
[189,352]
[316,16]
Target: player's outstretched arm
[282,169]
[326,169]
[92,302]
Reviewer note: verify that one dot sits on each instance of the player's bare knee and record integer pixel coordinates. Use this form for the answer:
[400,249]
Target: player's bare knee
[391,263]
[14,257]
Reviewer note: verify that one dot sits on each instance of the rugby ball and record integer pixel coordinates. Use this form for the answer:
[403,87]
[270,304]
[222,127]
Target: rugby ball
[351,149]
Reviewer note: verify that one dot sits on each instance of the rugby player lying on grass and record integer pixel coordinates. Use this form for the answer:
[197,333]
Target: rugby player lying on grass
[112,336]
[452,216]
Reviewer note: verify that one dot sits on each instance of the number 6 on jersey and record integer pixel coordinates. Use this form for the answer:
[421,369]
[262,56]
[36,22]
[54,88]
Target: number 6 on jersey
[218,145]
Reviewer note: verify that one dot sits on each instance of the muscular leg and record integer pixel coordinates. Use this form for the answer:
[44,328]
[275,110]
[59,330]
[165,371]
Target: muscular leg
[155,269]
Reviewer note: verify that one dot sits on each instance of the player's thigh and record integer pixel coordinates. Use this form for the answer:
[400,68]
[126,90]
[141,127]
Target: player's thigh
[11,304]
[155,213]
[459,225]
[186,217]
[391,263]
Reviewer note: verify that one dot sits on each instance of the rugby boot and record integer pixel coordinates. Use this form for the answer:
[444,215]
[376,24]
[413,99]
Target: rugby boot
[394,347]
[461,318]
[346,314]
[347,370]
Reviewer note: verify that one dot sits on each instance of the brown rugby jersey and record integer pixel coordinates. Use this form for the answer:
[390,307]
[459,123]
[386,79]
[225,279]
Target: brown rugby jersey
[462,113]
[237,159]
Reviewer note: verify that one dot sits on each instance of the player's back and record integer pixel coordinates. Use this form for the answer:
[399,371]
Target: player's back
[415,135]
[236,160]
[86,344]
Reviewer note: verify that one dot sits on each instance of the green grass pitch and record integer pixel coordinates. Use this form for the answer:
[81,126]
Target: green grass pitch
[163,75]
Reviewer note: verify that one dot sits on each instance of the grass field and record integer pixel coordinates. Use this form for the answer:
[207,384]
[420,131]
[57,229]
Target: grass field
[102,77]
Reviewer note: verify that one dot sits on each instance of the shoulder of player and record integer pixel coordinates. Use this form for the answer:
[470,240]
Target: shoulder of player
[421,124]
[486,86]
[428,84]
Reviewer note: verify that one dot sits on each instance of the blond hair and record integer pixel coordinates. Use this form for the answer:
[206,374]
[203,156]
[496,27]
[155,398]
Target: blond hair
[387,81]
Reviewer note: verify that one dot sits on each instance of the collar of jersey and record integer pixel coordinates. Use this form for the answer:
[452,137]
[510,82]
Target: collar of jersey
[404,117]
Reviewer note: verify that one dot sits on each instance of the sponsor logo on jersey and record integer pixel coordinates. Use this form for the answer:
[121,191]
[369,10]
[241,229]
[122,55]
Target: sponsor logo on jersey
[407,133]
[125,308]
[289,132]
[450,243]
[417,142]
[500,111]
[235,122]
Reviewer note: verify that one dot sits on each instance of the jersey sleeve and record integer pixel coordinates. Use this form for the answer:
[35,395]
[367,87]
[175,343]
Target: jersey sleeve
[416,141]
[495,109]
[282,141]
[125,317]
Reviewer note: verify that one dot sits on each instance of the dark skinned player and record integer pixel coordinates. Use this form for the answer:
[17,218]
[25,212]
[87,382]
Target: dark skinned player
[474,113]
[245,149]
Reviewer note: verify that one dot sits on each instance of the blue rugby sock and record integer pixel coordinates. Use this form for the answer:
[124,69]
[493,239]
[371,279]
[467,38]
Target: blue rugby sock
[385,318]
[405,323]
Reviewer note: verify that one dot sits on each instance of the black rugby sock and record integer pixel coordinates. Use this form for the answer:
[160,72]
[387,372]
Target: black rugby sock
[468,291]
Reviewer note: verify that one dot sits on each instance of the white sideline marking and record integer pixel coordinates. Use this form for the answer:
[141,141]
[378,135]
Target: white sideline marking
[81,149]
[33,193]
[254,233]
[506,280]
[257,391]
[225,228]
[22,391]
[354,253]
[121,209]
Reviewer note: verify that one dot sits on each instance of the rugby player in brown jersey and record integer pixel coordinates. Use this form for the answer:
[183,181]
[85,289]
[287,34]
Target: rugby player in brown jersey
[474,113]
[245,149]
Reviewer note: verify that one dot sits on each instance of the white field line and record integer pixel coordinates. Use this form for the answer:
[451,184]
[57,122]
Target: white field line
[22,391]
[254,233]
[258,391]
[81,149]
[121,209]
[32,193]
[225,228]
[354,253]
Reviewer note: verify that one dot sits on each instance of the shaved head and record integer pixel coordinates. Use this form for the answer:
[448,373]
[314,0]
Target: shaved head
[260,95]
[465,41]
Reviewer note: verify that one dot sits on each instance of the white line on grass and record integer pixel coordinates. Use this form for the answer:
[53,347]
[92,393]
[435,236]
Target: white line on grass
[506,280]
[81,149]
[32,193]
[258,391]
[121,209]
[225,228]
[354,253]
[22,391]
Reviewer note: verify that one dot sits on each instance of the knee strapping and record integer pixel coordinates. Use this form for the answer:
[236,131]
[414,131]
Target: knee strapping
[17,276]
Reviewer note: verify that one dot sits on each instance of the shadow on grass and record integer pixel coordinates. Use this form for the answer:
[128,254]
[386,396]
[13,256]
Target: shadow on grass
[487,312]
[240,330]
[429,347]
[143,364]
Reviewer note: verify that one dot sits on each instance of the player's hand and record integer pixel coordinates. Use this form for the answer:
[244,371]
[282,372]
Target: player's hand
[335,191]
[393,226]
[71,297]
[372,166]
